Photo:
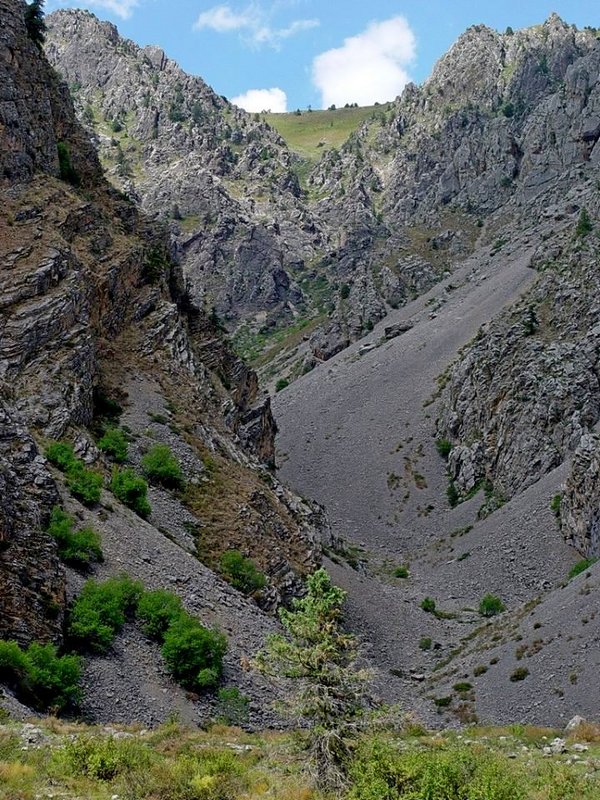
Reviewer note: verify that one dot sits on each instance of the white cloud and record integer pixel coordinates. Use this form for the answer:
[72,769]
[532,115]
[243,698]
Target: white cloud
[367,68]
[256,100]
[253,22]
[222,20]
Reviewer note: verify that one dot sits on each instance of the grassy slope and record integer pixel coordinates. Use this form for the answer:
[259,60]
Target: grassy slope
[70,760]
[311,132]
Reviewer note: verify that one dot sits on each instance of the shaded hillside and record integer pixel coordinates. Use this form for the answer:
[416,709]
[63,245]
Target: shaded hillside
[97,332]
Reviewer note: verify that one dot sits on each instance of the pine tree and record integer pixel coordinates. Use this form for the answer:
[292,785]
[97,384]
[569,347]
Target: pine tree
[322,658]
[34,21]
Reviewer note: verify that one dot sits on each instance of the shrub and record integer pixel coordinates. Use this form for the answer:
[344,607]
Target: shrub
[428,605]
[519,674]
[425,643]
[101,757]
[114,444]
[158,610]
[456,773]
[581,566]
[401,571]
[555,504]
[281,384]
[61,454]
[232,706]
[443,446]
[241,572]
[160,466]
[490,606]
[193,653]
[584,224]
[75,547]
[85,484]
[39,676]
[52,680]
[345,291]
[131,489]
[452,495]
[480,669]
[462,686]
[66,170]
[99,612]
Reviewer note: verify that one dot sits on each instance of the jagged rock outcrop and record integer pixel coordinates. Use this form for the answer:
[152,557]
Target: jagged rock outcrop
[222,179]
[580,501]
[94,305]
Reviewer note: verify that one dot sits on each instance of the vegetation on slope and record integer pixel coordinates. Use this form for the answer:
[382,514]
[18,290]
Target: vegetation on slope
[176,763]
[310,132]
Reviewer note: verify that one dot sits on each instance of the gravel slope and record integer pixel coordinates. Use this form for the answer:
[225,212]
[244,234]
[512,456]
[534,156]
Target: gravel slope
[358,435]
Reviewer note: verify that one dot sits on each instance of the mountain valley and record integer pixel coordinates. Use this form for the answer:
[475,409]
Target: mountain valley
[363,338]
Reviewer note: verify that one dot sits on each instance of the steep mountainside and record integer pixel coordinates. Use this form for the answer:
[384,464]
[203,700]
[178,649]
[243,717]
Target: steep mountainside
[96,325]
[223,181]
[467,445]
[257,238]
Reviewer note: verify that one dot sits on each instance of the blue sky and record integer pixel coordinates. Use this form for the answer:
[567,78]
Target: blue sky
[296,53]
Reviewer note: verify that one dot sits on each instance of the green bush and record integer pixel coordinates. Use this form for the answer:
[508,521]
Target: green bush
[584,224]
[114,444]
[581,566]
[65,167]
[232,706]
[39,676]
[74,547]
[61,454]
[425,643]
[241,572]
[452,494]
[428,605]
[193,653]
[555,505]
[345,291]
[490,606]
[101,758]
[401,571]
[281,384]
[381,772]
[99,612]
[519,674]
[131,489]
[160,466]
[158,610]
[83,483]
[443,446]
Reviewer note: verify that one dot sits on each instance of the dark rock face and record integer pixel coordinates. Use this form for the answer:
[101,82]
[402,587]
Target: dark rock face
[32,581]
[92,297]
[580,502]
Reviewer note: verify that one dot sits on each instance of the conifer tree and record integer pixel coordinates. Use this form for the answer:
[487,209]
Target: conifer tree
[322,659]
[34,20]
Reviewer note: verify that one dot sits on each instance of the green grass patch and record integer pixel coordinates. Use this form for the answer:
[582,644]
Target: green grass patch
[581,566]
[312,132]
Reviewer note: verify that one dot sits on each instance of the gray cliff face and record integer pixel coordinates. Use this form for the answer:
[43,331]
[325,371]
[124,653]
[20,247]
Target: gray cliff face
[527,391]
[580,501]
[223,181]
